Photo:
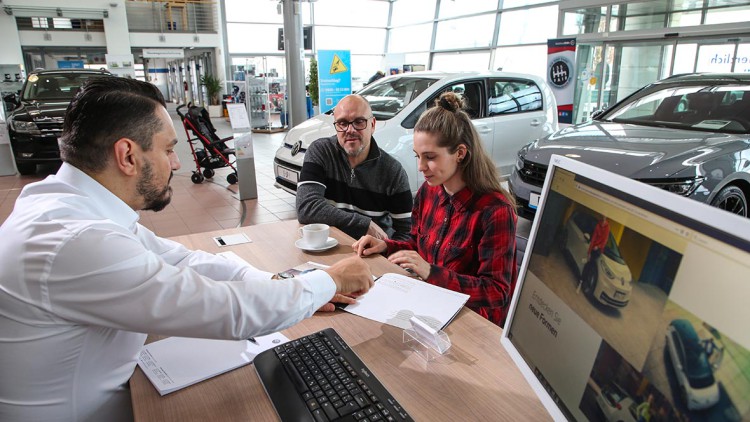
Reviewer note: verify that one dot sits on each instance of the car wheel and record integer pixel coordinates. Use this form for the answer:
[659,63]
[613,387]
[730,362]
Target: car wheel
[731,199]
[26,169]
[589,282]
[208,173]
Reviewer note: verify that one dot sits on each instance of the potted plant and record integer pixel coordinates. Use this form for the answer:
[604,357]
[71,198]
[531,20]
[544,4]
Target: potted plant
[213,88]
[313,85]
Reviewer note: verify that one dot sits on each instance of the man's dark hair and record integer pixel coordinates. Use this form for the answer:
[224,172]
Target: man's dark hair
[104,110]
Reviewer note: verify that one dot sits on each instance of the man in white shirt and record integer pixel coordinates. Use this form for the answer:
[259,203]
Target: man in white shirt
[81,280]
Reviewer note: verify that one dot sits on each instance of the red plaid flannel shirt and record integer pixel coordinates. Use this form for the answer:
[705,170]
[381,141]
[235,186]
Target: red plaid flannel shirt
[470,242]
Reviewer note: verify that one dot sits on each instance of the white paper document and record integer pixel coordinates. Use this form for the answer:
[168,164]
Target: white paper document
[232,239]
[395,298]
[177,362]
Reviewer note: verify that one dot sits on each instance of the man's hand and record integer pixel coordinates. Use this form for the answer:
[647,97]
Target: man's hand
[351,275]
[337,298]
[375,231]
[368,245]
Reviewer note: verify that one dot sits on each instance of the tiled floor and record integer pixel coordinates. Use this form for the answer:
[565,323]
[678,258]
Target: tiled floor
[212,205]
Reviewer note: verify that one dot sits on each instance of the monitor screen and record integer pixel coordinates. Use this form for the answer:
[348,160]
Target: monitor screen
[632,301]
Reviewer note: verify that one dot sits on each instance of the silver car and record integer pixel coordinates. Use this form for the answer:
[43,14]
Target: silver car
[688,134]
[507,109]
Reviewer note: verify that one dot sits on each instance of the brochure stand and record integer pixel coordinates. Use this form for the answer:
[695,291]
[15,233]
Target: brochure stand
[428,342]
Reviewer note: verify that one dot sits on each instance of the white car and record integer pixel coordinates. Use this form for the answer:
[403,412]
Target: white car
[616,405]
[508,110]
[698,386]
[612,282]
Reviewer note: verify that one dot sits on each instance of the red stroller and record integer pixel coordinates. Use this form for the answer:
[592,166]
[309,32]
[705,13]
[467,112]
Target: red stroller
[212,152]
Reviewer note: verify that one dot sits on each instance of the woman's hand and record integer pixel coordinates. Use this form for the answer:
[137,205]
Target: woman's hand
[368,245]
[411,260]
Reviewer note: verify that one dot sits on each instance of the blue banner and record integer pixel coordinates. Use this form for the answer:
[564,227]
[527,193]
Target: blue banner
[334,77]
[70,64]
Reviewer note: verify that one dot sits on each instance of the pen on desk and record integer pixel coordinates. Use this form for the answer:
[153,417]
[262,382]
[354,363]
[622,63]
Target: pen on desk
[253,340]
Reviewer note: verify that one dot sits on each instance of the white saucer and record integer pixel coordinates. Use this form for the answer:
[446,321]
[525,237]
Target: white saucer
[331,242]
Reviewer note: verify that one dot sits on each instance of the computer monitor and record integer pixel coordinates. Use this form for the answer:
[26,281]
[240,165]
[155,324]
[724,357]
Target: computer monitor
[660,316]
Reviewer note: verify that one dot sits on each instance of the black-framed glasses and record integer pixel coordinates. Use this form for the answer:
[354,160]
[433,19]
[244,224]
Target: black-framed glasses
[358,124]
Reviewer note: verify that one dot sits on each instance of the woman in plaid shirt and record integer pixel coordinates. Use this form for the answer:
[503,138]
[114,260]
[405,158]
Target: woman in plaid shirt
[463,221]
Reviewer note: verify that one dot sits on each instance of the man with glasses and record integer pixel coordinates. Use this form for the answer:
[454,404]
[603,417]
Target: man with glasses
[350,183]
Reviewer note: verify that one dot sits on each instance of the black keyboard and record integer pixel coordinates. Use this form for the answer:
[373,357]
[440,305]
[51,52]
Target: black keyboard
[320,378]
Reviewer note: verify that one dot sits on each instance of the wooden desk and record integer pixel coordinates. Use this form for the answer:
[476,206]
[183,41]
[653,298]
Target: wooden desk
[477,380]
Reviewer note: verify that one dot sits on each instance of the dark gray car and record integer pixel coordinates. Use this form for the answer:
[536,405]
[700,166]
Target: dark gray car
[688,134]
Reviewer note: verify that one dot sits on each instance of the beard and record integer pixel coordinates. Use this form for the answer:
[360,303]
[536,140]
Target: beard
[155,198]
[358,151]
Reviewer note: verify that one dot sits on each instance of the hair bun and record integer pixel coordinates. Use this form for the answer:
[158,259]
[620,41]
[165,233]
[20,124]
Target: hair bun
[450,101]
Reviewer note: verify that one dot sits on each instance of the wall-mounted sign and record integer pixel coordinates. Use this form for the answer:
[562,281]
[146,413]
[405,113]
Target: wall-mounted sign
[164,53]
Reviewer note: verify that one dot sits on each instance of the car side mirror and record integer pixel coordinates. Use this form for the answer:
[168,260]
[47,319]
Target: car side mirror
[11,102]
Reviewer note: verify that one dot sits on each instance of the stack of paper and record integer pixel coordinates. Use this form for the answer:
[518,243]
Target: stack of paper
[395,298]
[177,362]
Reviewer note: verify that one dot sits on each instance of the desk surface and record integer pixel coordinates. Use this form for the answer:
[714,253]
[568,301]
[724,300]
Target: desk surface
[477,380]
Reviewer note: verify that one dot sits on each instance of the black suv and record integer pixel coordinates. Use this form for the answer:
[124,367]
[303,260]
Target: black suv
[36,119]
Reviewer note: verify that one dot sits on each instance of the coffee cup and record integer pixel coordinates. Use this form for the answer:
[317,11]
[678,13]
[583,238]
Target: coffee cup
[314,235]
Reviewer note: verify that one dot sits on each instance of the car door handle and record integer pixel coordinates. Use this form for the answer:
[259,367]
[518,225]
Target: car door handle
[536,122]
[483,129]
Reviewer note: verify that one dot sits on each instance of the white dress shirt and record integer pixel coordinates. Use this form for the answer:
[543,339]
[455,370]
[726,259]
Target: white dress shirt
[81,280]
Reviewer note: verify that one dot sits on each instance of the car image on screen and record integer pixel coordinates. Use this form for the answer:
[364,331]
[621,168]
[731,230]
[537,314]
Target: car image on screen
[698,387]
[612,282]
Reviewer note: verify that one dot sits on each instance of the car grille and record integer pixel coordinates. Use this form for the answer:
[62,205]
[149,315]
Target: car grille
[533,173]
[287,165]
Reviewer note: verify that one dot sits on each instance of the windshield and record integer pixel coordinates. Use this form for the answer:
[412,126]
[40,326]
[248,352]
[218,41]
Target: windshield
[388,97]
[57,86]
[714,108]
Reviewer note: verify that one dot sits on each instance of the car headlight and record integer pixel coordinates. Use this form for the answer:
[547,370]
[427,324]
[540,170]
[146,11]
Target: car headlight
[24,127]
[684,187]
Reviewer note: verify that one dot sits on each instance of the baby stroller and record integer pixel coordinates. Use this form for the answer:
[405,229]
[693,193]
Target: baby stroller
[211,152]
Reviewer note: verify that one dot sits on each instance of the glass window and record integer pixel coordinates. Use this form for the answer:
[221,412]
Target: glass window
[417,58]
[460,62]
[62,23]
[39,23]
[410,38]
[531,59]
[256,11]
[356,40]
[351,12]
[475,31]
[715,58]
[635,16]
[507,4]
[742,64]
[690,18]
[528,26]
[584,21]
[513,96]
[684,58]
[412,11]
[449,9]
[363,67]
[264,38]
[728,14]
